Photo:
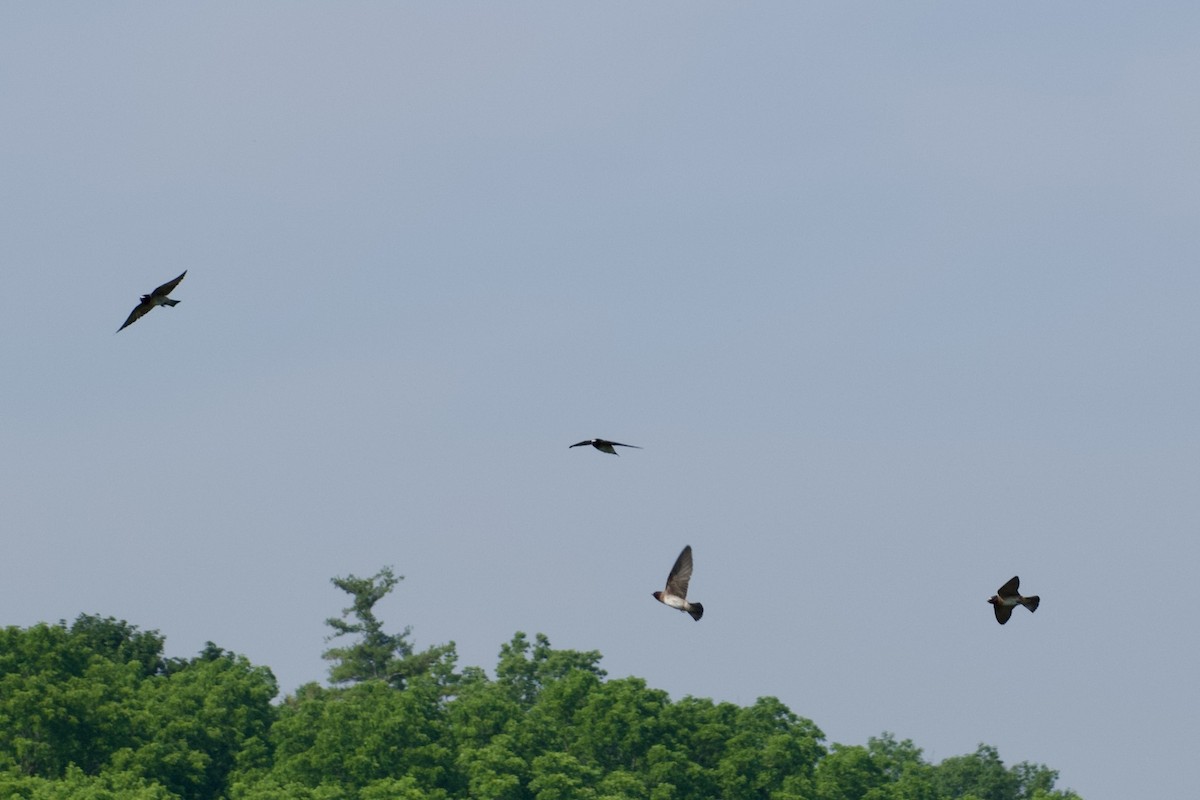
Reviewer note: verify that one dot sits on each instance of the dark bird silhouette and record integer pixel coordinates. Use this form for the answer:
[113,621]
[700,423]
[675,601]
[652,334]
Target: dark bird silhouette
[604,446]
[1007,597]
[156,298]
[675,594]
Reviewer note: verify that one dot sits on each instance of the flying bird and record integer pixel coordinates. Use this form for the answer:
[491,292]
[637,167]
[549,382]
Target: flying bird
[604,446]
[675,595]
[156,298]
[1006,597]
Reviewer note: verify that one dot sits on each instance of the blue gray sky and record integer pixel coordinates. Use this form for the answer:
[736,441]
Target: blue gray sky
[900,300]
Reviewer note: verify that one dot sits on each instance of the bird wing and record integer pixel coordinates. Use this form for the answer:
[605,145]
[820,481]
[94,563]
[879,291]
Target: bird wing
[580,444]
[138,312]
[1003,612]
[618,444]
[167,287]
[681,573]
[1009,589]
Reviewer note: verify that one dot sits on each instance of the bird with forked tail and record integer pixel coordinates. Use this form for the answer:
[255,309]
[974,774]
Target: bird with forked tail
[156,298]
[1007,598]
[604,445]
[675,595]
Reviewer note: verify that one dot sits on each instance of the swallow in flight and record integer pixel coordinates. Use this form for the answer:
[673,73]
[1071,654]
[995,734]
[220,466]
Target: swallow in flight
[604,446]
[1006,597]
[156,298]
[675,595]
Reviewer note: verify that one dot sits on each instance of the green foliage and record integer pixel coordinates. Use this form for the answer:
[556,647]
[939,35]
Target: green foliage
[362,734]
[525,671]
[883,770]
[771,751]
[76,785]
[981,774]
[378,655]
[618,722]
[62,702]
[94,711]
[561,776]
[117,641]
[194,723]
[494,769]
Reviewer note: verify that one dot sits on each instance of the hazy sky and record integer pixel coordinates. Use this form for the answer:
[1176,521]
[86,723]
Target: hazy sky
[899,298]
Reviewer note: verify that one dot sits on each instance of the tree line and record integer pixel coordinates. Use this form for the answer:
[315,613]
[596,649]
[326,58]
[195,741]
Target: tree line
[93,710]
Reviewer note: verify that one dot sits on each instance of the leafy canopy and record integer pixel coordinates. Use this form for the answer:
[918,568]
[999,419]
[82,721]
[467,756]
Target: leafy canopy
[95,711]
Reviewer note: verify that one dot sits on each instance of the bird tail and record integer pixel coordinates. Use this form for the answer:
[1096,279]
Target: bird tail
[1031,602]
[168,301]
[696,610]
